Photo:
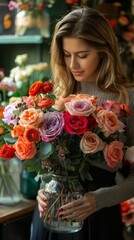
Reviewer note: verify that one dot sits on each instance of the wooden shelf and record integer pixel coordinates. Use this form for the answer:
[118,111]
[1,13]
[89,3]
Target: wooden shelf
[25,39]
[10,212]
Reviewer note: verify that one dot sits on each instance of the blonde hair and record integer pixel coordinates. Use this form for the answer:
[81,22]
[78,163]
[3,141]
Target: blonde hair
[92,27]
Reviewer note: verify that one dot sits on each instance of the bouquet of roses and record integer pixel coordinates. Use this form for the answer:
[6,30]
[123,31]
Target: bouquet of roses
[66,139]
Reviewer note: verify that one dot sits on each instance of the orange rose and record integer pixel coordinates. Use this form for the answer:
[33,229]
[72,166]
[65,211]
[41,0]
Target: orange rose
[46,102]
[1,111]
[113,153]
[31,116]
[24,149]
[35,88]
[1,130]
[17,131]
[91,143]
[31,134]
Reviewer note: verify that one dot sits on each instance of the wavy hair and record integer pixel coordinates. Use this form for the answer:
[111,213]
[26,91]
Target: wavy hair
[91,26]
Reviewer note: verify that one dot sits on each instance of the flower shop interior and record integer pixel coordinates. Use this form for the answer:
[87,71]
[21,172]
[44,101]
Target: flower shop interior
[24,59]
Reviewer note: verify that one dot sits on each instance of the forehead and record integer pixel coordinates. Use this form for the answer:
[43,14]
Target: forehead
[72,44]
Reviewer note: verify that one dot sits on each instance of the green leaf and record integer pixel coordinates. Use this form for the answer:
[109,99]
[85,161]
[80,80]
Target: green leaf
[5,125]
[16,112]
[8,138]
[45,150]
[32,164]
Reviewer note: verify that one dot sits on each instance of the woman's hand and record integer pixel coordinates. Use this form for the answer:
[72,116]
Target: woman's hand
[128,216]
[42,202]
[79,209]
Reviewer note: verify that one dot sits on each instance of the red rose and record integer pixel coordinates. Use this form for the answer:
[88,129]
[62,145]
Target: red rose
[75,124]
[35,88]
[7,151]
[47,87]
[91,123]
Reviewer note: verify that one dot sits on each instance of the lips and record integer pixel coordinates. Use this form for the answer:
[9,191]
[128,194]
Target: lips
[77,73]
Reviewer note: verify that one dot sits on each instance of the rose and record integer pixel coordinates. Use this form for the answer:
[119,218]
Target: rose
[7,151]
[129,155]
[80,107]
[31,116]
[17,131]
[45,103]
[125,110]
[23,149]
[52,126]
[1,130]
[9,115]
[113,153]
[108,122]
[35,88]
[31,134]
[1,111]
[92,99]
[30,101]
[91,143]
[47,87]
[112,106]
[91,122]
[75,124]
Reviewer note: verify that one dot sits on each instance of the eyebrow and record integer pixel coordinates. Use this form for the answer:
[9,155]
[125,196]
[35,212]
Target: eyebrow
[84,51]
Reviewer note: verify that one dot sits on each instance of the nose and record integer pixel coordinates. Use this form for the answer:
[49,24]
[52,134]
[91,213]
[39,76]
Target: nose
[73,62]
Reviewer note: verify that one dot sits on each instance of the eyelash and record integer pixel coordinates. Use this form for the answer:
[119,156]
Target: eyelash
[78,56]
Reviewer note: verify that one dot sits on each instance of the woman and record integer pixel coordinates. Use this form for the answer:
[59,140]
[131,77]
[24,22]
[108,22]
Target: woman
[85,58]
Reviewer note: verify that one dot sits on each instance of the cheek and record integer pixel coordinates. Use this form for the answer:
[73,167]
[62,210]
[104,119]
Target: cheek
[67,62]
[92,65]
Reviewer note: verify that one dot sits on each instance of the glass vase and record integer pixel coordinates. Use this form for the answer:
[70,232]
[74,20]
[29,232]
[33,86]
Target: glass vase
[29,23]
[9,193]
[61,190]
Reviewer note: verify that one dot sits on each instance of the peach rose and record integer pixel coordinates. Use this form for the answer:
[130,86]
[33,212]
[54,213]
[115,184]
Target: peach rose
[91,143]
[129,155]
[108,122]
[30,101]
[113,153]
[23,149]
[31,116]
[17,131]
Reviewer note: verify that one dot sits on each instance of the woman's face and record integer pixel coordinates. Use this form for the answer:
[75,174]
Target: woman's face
[81,59]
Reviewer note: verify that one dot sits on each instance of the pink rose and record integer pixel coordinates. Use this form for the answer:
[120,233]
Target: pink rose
[80,107]
[91,143]
[108,122]
[129,155]
[112,106]
[113,153]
